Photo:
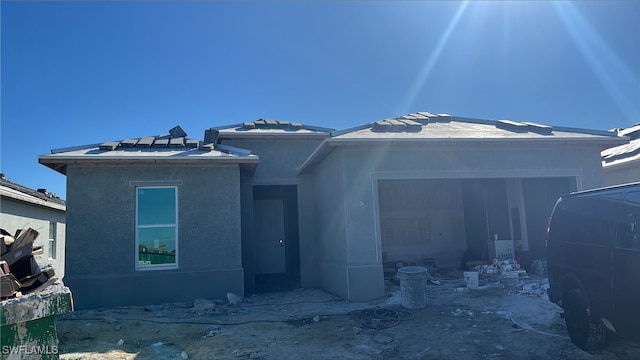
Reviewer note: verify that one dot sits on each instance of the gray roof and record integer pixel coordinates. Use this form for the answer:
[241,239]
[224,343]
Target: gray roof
[272,128]
[426,127]
[174,147]
[626,153]
[40,197]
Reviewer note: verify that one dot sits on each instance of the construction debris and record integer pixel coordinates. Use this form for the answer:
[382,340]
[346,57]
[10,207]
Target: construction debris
[19,270]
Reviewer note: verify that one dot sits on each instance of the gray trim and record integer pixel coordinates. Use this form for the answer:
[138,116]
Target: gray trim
[621,163]
[233,150]
[352,129]
[475,174]
[260,182]
[76,148]
[225,158]
[377,230]
[318,128]
[156,183]
[223,127]
[473,120]
[18,196]
[314,157]
[253,134]
[586,131]
[257,132]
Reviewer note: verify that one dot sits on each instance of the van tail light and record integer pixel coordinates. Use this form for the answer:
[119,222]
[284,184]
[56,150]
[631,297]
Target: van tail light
[548,231]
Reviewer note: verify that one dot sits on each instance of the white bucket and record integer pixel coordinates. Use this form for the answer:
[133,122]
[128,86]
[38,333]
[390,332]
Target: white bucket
[471,279]
[510,280]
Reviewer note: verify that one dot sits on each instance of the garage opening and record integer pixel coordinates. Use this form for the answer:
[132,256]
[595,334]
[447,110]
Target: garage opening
[421,222]
[441,221]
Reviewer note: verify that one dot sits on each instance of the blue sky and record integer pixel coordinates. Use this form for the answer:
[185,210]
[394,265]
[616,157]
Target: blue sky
[76,73]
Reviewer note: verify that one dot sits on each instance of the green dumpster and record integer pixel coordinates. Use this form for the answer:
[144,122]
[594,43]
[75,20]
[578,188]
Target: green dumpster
[27,327]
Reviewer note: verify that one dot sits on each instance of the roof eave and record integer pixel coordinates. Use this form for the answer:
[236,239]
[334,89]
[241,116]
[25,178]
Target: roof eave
[32,200]
[316,156]
[325,148]
[59,163]
[604,141]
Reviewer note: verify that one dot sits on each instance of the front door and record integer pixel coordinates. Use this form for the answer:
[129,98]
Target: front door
[270,239]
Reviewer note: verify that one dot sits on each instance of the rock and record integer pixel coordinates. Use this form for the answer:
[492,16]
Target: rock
[153,308]
[240,353]
[202,305]
[424,354]
[109,320]
[183,355]
[120,342]
[367,350]
[382,338]
[233,298]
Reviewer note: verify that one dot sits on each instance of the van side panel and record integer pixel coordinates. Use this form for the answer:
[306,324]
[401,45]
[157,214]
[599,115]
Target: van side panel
[626,267]
[580,248]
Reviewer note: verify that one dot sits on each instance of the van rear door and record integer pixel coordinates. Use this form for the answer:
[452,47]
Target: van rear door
[580,247]
[626,265]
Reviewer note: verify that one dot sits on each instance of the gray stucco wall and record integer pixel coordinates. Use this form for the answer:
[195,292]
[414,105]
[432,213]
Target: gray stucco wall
[330,227]
[622,174]
[346,210]
[21,215]
[306,215]
[279,159]
[101,235]
[442,215]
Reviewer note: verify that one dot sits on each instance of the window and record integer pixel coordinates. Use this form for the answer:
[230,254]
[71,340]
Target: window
[629,226]
[589,220]
[53,236]
[156,228]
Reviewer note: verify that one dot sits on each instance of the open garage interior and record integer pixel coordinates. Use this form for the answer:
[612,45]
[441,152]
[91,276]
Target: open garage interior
[446,222]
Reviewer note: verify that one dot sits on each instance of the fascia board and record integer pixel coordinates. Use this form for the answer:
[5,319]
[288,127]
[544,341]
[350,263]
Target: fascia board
[31,200]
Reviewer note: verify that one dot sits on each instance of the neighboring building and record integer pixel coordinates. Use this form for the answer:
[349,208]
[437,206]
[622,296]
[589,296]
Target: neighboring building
[621,164]
[160,219]
[23,208]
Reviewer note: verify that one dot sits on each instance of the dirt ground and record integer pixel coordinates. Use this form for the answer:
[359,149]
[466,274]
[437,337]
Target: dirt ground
[457,323]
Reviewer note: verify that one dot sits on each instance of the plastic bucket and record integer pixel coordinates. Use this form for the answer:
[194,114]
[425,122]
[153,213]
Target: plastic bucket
[471,279]
[413,286]
[510,280]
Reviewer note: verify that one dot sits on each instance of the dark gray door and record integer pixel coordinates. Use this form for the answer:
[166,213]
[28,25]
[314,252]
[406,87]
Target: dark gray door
[270,239]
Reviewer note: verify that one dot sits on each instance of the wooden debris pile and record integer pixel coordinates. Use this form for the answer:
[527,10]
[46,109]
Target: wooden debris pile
[19,271]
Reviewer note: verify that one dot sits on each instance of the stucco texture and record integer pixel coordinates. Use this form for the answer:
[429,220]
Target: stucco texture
[101,234]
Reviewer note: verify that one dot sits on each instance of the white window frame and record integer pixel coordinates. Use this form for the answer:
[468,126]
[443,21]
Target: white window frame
[152,267]
[53,237]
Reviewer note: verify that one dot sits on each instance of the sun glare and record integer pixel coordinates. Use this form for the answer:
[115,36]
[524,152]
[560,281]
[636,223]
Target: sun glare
[422,76]
[602,60]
